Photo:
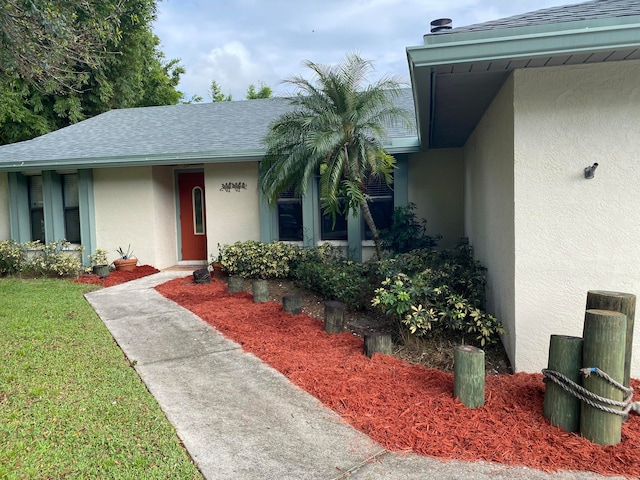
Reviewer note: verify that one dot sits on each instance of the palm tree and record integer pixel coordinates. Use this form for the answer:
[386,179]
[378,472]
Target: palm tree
[337,130]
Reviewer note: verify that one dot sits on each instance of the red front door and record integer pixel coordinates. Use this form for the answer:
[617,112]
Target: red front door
[192,216]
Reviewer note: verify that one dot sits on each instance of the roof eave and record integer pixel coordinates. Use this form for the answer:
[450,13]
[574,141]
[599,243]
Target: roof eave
[397,146]
[133,161]
[510,44]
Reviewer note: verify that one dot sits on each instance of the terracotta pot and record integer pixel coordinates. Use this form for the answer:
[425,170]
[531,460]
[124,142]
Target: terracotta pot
[217,271]
[125,265]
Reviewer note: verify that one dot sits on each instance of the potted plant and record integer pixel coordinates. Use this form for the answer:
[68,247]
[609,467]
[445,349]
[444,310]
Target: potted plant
[216,265]
[99,263]
[127,260]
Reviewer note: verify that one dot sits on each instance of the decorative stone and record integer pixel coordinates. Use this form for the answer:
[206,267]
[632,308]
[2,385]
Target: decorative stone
[202,276]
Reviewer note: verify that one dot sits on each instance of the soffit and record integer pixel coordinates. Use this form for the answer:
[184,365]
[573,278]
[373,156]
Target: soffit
[456,76]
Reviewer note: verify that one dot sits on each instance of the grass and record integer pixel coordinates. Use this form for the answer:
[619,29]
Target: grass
[70,404]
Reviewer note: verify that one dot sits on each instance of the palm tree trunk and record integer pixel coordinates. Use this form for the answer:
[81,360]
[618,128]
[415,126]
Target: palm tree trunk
[368,218]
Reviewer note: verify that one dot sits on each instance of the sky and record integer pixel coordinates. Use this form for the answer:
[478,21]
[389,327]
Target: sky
[244,42]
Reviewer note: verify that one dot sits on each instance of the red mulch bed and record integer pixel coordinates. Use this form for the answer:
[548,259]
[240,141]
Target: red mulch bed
[117,277]
[406,408]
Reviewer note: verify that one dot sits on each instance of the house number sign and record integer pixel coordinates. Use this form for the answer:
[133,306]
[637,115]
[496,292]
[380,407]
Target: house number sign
[237,186]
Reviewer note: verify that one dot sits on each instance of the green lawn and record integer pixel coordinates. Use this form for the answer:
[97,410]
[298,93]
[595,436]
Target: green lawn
[70,404]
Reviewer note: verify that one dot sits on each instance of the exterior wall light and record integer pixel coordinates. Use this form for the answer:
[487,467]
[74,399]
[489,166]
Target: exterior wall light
[589,172]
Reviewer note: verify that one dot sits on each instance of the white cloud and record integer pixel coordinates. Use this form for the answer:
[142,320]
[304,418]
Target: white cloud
[247,41]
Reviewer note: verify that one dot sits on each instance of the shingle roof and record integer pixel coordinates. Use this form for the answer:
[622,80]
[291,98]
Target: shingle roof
[595,9]
[234,127]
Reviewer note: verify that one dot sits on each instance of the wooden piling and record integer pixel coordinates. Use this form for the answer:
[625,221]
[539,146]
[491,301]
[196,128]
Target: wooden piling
[468,375]
[333,316]
[377,343]
[260,290]
[604,338]
[236,284]
[617,302]
[562,408]
[292,304]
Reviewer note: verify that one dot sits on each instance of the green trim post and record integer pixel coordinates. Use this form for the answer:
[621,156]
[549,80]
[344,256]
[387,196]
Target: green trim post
[19,207]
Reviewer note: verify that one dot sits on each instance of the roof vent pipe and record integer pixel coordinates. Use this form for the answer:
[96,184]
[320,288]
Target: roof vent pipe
[440,25]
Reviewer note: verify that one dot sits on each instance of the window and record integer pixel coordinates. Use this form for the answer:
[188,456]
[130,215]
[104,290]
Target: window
[71,204]
[329,231]
[198,211]
[380,204]
[289,217]
[36,207]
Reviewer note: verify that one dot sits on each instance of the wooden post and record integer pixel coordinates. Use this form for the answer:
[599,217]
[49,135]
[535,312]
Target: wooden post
[292,304]
[604,338]
[468,375]
[561,408]
[260,291]
[617,302]
[377,343]
[236,284]
[333,317]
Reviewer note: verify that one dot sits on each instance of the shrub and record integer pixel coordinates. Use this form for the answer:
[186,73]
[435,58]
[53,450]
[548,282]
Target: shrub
[12,257]
[57,259]
[334,278]
[253,259]
[406,232]
[446,294]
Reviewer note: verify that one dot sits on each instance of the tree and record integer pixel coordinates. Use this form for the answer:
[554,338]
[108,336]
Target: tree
[45,41]
[264,92]
[215,92]
[132,73]
[336,130]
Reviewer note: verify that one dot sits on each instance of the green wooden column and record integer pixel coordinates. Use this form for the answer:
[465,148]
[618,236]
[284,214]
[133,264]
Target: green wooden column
[19,208]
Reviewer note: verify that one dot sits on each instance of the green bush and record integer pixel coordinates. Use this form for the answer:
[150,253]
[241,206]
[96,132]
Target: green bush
[253,259]
[447,294]
[334,278]
[56,259]
[406,232]
[12,257]
[455,268]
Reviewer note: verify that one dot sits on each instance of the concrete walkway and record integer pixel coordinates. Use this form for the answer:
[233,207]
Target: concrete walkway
[239,418]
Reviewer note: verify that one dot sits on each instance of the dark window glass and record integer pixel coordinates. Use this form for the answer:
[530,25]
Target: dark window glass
[36,204]
[71,207]
[329,231]
[289,217]
[198,212]
[380,204]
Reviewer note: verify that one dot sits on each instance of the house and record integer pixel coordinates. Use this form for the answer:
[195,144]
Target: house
[509,114]
[529,102]
[177,181]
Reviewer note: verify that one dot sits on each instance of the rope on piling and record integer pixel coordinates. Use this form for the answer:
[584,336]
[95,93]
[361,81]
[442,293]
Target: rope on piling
[591,398]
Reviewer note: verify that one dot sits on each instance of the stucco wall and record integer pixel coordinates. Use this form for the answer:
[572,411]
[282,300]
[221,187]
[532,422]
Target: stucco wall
[124,209]
[572,234]
[231,216]
[436,186]
[5,224]
[489,208]
[166,230]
